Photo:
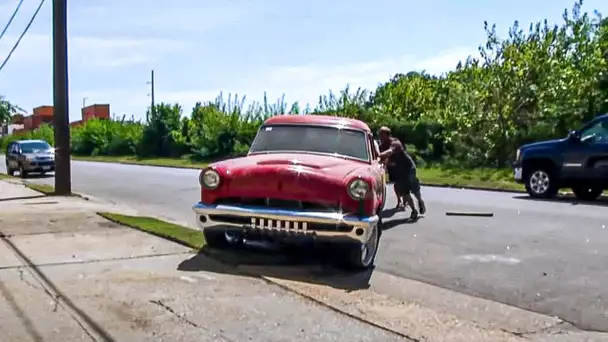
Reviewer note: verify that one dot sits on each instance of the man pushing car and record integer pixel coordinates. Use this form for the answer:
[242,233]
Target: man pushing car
[401,170]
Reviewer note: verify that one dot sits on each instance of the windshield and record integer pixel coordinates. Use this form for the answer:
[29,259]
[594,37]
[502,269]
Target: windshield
[317,139]
[35,147]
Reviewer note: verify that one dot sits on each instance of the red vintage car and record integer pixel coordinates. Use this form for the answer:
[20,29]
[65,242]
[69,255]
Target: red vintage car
[305,177]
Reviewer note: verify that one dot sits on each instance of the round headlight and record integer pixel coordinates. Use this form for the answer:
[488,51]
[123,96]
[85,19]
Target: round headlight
[357,189]
[210,179]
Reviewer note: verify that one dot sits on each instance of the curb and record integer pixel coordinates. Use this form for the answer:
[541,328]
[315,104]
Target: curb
[16,180]
[478,188]
[137,164]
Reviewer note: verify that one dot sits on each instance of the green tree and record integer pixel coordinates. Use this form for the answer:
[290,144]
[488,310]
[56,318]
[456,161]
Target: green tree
[7,110]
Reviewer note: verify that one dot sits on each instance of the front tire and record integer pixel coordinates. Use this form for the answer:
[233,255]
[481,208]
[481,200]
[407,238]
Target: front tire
[22,172]
[541,183]
[383,204]
[586,193]
[9,171]
[361,257]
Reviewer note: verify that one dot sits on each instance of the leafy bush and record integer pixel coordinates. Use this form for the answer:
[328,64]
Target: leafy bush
[525,87]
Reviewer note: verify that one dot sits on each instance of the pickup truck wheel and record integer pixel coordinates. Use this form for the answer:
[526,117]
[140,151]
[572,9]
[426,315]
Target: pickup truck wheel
[540,183]
[586,193]
[362,256]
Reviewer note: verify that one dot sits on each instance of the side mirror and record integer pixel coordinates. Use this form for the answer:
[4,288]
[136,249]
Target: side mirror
[573,136]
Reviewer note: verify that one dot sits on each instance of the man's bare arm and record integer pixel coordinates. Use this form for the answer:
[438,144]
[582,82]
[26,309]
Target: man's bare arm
[396,146]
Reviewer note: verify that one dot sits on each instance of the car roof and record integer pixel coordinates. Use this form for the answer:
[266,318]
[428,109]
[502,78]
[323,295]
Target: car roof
[325,120]
[30,141]
[600,117]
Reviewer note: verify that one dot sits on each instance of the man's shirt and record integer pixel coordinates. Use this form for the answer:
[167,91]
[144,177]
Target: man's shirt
[399,160]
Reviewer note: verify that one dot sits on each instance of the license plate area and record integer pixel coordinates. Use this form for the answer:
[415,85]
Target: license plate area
[46,167]
[517,173]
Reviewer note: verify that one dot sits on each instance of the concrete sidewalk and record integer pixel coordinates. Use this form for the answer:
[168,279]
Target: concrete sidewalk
[68,275]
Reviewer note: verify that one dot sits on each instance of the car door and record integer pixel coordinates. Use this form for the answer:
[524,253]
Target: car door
[377,169]
[587,157]
[11,155]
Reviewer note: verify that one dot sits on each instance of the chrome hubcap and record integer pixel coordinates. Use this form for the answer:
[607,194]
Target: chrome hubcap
[368,249]
[539,182]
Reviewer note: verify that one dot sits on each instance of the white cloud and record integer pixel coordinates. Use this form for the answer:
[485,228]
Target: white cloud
[91,52]
[299,83]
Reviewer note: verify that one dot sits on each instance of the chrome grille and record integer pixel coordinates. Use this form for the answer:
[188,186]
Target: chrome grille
[266,224]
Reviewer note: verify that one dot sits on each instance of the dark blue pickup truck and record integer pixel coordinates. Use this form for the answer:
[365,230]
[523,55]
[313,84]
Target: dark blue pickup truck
[579,162]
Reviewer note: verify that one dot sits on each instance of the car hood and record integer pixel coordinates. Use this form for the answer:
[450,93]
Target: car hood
[317,180]
[545,144]
[40,155]
[333,167]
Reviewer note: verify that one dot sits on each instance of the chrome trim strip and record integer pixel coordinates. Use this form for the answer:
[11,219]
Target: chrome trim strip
[267,217]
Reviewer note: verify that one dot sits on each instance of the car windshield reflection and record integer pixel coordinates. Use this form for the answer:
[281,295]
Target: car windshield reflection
[313,139]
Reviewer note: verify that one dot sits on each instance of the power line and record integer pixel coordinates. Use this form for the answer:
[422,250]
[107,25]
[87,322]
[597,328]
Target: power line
[11,19]
[22,34]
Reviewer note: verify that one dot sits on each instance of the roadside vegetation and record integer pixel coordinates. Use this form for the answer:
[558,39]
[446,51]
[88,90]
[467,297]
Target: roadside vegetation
[463,127]
[182,235]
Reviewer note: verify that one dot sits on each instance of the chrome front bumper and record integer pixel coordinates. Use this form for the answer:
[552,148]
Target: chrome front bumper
[323,225]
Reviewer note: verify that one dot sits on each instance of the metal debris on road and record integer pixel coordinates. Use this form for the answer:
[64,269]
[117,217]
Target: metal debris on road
[464,213]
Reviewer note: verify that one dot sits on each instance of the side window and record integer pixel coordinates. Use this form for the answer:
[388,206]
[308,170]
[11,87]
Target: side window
[374,147]
[597,133]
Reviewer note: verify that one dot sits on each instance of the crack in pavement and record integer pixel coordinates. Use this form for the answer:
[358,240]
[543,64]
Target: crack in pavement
[21,198]
[93,261]
[88,326]
[18,312]
[55,232]
[182,318]
[549,330]
[54,298]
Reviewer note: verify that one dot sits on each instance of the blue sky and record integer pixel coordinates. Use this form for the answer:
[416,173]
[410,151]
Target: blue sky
[199,48]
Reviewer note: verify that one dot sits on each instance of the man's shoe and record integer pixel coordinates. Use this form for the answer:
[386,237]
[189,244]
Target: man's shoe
[414,214]
[422,207]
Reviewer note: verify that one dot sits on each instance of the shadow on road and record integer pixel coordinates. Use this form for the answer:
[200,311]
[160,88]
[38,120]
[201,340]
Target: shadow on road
[6,199]
[302,264]
[390,222]
[569,199]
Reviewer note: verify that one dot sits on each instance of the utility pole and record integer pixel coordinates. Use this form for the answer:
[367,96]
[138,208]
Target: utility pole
[63,177]
[152,109]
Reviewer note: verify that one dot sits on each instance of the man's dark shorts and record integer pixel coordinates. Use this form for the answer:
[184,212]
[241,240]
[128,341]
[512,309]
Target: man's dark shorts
[406,182]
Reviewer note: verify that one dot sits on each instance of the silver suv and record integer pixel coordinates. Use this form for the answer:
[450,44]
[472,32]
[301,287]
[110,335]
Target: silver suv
[27,156]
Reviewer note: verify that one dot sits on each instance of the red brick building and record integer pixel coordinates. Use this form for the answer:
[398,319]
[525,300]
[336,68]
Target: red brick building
[44,115]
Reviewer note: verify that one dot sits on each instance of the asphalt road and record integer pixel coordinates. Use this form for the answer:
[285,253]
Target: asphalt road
[546,256]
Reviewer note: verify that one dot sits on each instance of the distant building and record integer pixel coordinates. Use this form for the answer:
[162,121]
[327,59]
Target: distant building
[45,114]
[13,127]
[99,111]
